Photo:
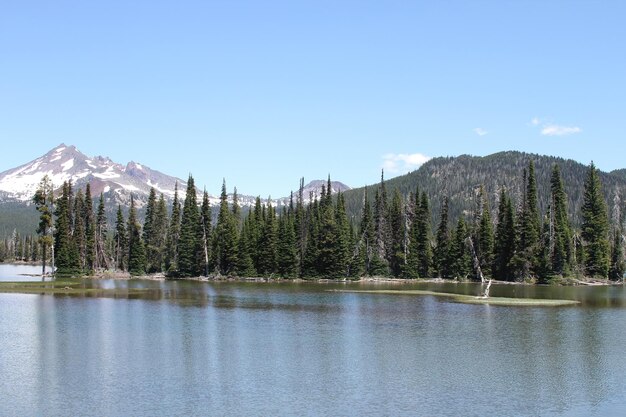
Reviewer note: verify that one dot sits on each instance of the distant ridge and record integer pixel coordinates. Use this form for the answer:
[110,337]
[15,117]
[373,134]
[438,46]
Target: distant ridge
[460,178]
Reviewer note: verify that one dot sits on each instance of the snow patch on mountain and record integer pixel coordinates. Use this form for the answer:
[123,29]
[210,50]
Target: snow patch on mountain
[68,164]
[118,181]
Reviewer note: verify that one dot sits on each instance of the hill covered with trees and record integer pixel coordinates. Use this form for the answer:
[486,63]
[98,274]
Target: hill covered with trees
[511,215]
[459,180]
[508,227]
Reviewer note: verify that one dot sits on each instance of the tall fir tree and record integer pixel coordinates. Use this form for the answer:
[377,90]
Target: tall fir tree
[559,231]
[396,223]
[460,260]
[256,221]
[90,232]
[287,259]
[443,243]
[505,238]
[173,235]
[44,203]
[225,238]
[66,253]
[311,250]
[78,235]
[268,243]
[101,258]
[423,237]
[120,241]
[136,250]
[245,264]
[381,230]
[205,221]
[150,234]
[484,248]
[344,237]
[617,267]
[300,226]
[367,237]
[412,259]
[595,226]
[188,242]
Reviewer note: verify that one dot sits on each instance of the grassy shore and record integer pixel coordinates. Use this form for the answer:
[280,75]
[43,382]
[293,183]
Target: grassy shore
[66,286]
[470,299]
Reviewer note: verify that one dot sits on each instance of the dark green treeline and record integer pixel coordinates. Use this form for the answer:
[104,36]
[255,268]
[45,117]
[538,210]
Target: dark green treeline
[391,237]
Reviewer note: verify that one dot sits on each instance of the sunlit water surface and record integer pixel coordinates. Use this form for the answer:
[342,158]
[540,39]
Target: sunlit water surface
[259,349]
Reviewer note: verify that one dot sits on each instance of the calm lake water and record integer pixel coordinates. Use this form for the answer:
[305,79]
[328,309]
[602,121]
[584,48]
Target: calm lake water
[255,349]
[11,272]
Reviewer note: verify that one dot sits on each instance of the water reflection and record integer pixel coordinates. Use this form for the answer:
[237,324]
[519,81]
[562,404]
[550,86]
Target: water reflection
[197,348]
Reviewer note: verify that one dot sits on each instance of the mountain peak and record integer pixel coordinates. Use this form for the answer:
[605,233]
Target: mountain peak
[67,163]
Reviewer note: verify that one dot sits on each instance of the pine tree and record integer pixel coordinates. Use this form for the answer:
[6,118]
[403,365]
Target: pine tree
[44,201]
[344,238]
[311,251]
[595,226]
[442,249]
[413,257]
[256,221]
[367,241]
[90,232]
[136,249]
[504,247]
[397,229]
[205,221]
[150,234]
[121,241]
[529,228]
[79,228]
[67,259]
[424,248]
[560,234]
[160,233]
[381,230]
[460,259]
[616,270]
[225,238]
[188,243]
[245,265]
[485,236]
[101,259]
[173,235]
[300,227]
[287,261]
[268,243]
[328,244]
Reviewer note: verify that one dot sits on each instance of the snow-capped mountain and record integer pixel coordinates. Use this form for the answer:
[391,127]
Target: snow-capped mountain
[66,163]
[116,181]
[313,190]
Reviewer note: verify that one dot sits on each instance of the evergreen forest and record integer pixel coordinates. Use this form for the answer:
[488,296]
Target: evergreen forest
[393,235]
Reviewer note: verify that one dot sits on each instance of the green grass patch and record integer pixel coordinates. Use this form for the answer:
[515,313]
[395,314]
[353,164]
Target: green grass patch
[470,299]
[76,287]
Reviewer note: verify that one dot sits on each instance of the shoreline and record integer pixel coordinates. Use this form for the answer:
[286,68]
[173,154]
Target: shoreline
[119,275]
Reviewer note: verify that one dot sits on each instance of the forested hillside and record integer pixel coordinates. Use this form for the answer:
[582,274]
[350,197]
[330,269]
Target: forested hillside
[510,216]
[460,178]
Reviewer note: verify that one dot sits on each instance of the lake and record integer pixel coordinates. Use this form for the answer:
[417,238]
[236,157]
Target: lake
[261,349]
[21,272]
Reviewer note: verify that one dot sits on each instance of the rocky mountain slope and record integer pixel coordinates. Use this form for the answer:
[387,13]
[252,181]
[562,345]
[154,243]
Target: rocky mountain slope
[116,181]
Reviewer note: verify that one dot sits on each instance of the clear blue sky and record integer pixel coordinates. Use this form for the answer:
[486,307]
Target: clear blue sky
[265,92]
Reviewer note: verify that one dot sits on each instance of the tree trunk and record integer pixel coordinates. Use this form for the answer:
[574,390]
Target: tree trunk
[486,293]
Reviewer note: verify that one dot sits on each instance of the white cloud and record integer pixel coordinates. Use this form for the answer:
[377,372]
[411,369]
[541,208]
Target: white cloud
[556,130]
[480,131]
[395,163]
[549,128]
